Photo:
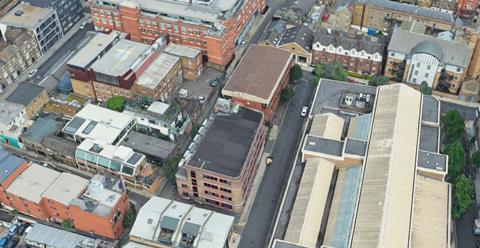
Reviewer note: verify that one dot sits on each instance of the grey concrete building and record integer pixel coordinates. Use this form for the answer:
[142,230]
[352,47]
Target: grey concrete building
[69,12]
[43,22]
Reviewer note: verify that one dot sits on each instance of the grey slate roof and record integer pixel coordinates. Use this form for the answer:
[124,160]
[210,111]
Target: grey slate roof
[411,9]
[348,40]
[226,143]
[322,145]
[428,47]
[25,93]
[454,53]
[300,35]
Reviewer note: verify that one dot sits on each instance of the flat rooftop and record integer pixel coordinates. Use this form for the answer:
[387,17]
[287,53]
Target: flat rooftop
[89,53]
[148,145]
[120,58]
[330,92]
[33,182]
[432,161]
[65,188]
[258,74]
[9,111]
[430,109]
[210,228]
[102,194]
[196,10]
[356,147]
[284,244]
[98,123]
[322,145]
[225,145]
[157,71]
[26,16]
[182,51]
[429,137]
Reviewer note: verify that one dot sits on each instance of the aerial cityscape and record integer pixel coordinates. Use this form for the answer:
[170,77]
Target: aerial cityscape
[239,124]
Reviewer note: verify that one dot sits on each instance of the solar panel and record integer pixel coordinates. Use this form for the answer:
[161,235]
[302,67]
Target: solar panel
[134,158]
[73,125]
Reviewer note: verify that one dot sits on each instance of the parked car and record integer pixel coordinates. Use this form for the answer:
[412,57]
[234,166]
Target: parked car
[201,99]
[82,26]
[304,111]
[4,240]
[476,227]
[12,243]
[32,73]
[21,229]
[27,230]
[13,229]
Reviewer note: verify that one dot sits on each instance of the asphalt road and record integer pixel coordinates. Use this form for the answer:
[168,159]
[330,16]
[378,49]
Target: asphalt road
[464,228]
[269,193]
[61,55]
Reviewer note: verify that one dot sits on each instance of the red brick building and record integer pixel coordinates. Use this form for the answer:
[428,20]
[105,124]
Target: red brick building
[224,160]
[356,52]
[215,27]
[259,79]
[96,206]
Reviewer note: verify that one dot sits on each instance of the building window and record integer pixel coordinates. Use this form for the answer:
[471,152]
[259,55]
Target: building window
[415,73]
[418,64]
[459,69]
[426,74]
[429,67]
[392,54]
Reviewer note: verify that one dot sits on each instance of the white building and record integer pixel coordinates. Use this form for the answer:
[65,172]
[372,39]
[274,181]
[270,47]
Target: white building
[43,22]
[163,222]
[102,125]
[12,120]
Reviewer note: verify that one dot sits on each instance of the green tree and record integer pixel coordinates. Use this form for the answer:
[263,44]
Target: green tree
[456,159]
[378,80]
[287,93]
[425,89]
[476,158]
[462,196]
[454,125]
[296,73]
[170,167]
[116,103]
[67,224]
[195,129]
[332,71]
[130,216]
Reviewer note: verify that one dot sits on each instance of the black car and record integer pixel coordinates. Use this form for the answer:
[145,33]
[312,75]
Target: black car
[21,229]
[12,243]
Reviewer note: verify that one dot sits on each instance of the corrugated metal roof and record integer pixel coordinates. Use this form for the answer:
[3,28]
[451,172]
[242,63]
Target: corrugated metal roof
[307,213]
[384,209]
[431,213]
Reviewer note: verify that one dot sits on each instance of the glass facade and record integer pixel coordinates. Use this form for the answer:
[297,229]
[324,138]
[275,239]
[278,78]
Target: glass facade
[107,163]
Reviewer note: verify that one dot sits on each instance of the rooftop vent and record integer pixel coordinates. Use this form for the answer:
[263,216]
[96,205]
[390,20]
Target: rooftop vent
[19,12]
